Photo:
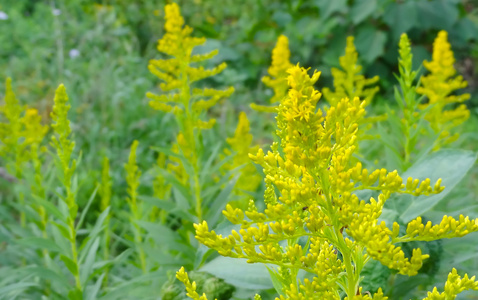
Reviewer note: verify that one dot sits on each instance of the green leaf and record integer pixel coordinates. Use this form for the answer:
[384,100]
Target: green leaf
[329,7]
[163,235]
[219,203]
[50,208]
[65,231]
[16,286]
[439,14]
[86,268]
[403,285]
[400,17]
[451,165]
[466,29]
[370,43]
[276,282]
[362,9]
[170,207]
[282,18]
[39,243]
[70,264]
[85,211]
[375,276]
[239,273]
[49,274]
[93,291]
[75,294]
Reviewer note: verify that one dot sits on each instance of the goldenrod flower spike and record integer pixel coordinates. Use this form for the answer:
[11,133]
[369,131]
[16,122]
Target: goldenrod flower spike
[10,131]
[64,147]
[133,175]
[182,276]
[310,193]
[277,79]
[63,144]
[453,286]
[439,87]
[189,105]
[178,74]
[240,147]
[349,83]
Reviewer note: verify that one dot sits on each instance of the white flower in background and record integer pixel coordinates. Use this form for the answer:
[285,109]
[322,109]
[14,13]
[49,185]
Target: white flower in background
[74,53]
[56,12]
[3,15]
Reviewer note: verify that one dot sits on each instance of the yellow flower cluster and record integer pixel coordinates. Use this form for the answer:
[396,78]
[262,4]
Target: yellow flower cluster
[439,87]
[453,286]
[349,83]
[190,287]
[20,143]
[377,296]
[178,74]
[20,136]
[63,144]
[240,147]
[133,175]
[277,79]
[311,180]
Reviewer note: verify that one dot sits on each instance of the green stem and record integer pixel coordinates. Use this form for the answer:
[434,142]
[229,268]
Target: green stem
[106,248]
[74,253]
[138,239]
[197,190]
[187,123]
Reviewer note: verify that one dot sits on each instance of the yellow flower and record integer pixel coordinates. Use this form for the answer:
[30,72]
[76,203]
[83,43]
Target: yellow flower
[453,286]
[349,83]
[240,147]
[311,186]
[439,87]
[177,74]
[277,79]
[182,276]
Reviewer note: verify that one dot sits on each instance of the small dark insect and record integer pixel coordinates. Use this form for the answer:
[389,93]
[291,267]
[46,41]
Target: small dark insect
[305,208]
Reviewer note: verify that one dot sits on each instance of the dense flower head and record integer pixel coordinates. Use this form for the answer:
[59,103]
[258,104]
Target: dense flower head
[10,126]
[240,147]
[182,276]
[277,78]
[21,132]
[62,141]
[311,180]
[178,73]
[439,87]
[348,82]
[454,285]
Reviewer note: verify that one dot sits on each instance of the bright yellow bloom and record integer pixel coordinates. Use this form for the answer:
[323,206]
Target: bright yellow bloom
[310,192]
[177,74]
[439,87]
[133,175]
[453,286]
[277,79]
[349,83]
[190,287]
[189,105]
[10,130]
[240,147]
[20,143]
[63,144]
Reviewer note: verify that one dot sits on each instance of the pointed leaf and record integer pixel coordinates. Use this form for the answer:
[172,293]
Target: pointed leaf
[450,165]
